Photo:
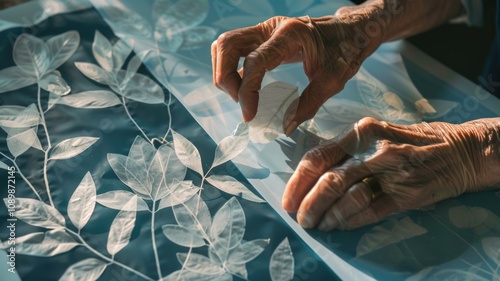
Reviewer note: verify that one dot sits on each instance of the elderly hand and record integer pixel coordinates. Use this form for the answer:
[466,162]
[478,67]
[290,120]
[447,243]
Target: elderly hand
[330,48]
[415,165]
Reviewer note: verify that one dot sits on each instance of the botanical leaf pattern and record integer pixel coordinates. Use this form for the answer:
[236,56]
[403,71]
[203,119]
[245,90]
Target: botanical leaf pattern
[82,203]
[231,146]
[14,116]
[90,99]
[117,200]
[491,246]
[37,213]
[183,236]
[230,185]
[121,228]
[88,269]
[71,147]
[228,227]
[187,153]
[31,55]
[45,244]
[62,47]
[19,143]
[13,78]
[281,266]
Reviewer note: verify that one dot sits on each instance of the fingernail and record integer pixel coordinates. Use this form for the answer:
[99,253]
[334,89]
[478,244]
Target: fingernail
[291,128]
[304,221]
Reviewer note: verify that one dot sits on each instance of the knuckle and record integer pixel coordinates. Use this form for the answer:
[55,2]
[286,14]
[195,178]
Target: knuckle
[343,10]
[368,123]
[318,157]
[331,188]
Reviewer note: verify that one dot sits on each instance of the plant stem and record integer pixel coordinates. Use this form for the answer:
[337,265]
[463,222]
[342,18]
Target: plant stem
[45,178]
[42,116]
[169,116]
[22,175]
[153,239]
[124,103]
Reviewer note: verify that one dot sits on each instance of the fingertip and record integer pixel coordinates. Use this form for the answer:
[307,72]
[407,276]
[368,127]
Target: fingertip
[288,204]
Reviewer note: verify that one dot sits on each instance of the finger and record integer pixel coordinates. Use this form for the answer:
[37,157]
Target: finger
[328,189]
[377,210]
[355,200]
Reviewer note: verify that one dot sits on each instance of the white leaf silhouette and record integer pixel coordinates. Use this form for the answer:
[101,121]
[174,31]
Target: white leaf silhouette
[183,15]
[121,51]
[247,251]
[103,51]
[230,146]
[45,244]
[62,47]
[166,39]
[237,269]
[187,275]
[228,228]
[14,116]
[121,228]
[232,186]
[491,246]
[130,173]
[3,166]
[132,67]
[142,89]
[13,78]
[160,7]
[198,37]
[256,8]
[200,264]
[467,217]
[94,72]
[54,83]
[165,172]
[31,54]
[183,236]
[19,143]
[37,213]
[393,100]
[71,147]
[127,21]
[90,99]
[274,101]
[233,22]
[88,269]
[179,194]
[391,232]
[117,200]
[194,215]
[82,203]
[187,153]
[142,152]
[297,6]
[281,266]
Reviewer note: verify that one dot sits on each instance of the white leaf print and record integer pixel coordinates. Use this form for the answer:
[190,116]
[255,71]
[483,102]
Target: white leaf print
[281,266]
[45,244]
[54,83]
[274,101]
[62,47]
[183,236]
[142,89]
[121,51]
[187,275]
[232,186]
[88,269]
[344,110]
[183,15]
[227,228]
[117,200]
[82,203]
[187,153]
[467,217]
[194,215]
[200,264]
[179,194]
[132,67]
[121,228]
[103,51]
[31,54]
[256,8]
[391,232]
[491,246]
[237,269]
[90,99]
[13,78]
[233,22]
[94,72]
[165,172]
[130,173]
[19,143]
[142,152]
[166,39]
[160,7]
[393,100]
[230,146]
[128,22]
[14,116]
[328,8]
[37,213]
[297,6]
[71,147]
[247,251]
[198,37]
[3,166]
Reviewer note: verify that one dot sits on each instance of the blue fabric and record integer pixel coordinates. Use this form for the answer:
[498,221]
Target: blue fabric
[490,79]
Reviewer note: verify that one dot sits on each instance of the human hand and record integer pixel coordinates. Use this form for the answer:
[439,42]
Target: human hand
[415,165]
[329,48]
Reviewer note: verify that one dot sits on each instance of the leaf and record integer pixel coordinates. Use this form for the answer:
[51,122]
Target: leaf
[103,51]
[19,143]
[91,99]
[199,264]
[121,51]
[160,7]
[31,54]
[467,217]
[94,72]
[256,7]
[3,166]
[88,269]
[231,146]
[297,6]
[180,194]
[194,215]
[165,172]
[183,16]
[232,186]
[234,22]
[54,83]
[439,107]
[121,228]
[14,116]
[198,37]
[237,269]
[62,47]
[132,67]
[37,213]
[13,78]
[491,246]
[391,232]
[71,147]
[183,236]
[247,251]
[142,89]
[117,200]
[274,101]
[82,203]
[281,266]
[393,100]
[130,173]
[187,153]
[127,21]
[228,228]
[45,244]
[195,276]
